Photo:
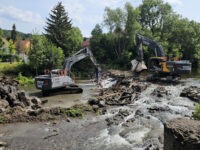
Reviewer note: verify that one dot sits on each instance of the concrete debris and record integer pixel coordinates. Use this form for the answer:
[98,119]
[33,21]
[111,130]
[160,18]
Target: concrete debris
[182,134]
[192,92]
[124,92]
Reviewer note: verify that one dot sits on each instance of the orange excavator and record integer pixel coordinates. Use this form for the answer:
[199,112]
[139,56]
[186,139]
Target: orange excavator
[158,65]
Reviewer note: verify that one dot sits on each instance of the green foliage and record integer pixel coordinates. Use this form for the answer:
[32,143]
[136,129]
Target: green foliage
[197,112]
[24,80]
[43,54]
[2,119]
[154,19]
[11,48]
[75,40]
[58,26]
[74,112]
[1,40]
[13,69]
[7,34]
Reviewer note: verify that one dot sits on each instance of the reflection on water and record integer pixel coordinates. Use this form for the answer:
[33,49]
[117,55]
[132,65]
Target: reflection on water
[63,98]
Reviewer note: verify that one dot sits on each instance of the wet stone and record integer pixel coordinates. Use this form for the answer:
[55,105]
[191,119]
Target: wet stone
[160,92]
[192,92]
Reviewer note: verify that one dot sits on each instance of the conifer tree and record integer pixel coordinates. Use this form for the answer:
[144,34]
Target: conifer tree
[13,33]
[58,27]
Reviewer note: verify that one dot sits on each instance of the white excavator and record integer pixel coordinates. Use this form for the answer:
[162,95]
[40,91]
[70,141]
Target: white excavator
[60,78]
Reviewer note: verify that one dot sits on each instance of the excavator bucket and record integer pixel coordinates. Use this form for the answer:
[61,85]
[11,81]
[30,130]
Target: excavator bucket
[138,66]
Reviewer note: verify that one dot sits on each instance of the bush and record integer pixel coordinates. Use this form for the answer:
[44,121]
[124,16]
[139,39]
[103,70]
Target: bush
[24,80]
[14,69]
[197,112]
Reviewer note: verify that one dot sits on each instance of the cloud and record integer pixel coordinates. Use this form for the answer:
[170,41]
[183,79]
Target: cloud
[106,3]
[11,12]
[75,8]
[174,2]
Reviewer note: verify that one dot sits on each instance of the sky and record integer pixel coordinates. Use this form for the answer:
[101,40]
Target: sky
[29,16]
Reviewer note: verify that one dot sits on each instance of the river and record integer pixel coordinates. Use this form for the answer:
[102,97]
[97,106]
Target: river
[137,126]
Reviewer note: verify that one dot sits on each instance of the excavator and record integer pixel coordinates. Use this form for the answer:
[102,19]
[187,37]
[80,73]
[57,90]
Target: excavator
[60,78]
[158,66]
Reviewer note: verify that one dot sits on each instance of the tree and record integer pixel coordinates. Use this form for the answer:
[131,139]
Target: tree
[132,25]
[97,30]
[43,54]
[13,33]
[12,50]
[58,27]
[1,40]
[153,14]
[74,39]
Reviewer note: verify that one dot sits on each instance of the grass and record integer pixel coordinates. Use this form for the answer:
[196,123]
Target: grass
[74,112]
[196,114]
[24,80]
[2,119]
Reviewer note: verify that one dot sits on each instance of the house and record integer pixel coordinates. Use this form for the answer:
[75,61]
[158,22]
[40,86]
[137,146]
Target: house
[86,42]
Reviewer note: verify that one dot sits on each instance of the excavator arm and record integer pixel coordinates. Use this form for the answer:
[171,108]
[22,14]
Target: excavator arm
[78,56]
[151,44]
[138,64]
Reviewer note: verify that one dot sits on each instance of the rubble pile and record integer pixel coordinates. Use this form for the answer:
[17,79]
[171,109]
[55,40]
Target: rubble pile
[15,102]
[124,92]
[192,92]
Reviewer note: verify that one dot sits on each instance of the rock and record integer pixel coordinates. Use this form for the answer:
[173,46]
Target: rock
[3,144]
[95,107]
[18,103]
[36,101]
[4,104]
[192,93]
[44,101]
[182,134]
[34,112]
[68,120]
[160,92]
[35,107]
[21,95]
[93,101]
[101,103]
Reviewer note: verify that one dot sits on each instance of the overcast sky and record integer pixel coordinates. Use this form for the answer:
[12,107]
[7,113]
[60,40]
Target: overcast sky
[30,15]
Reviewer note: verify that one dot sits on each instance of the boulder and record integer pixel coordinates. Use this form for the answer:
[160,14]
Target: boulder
[182,134]
[36,101]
